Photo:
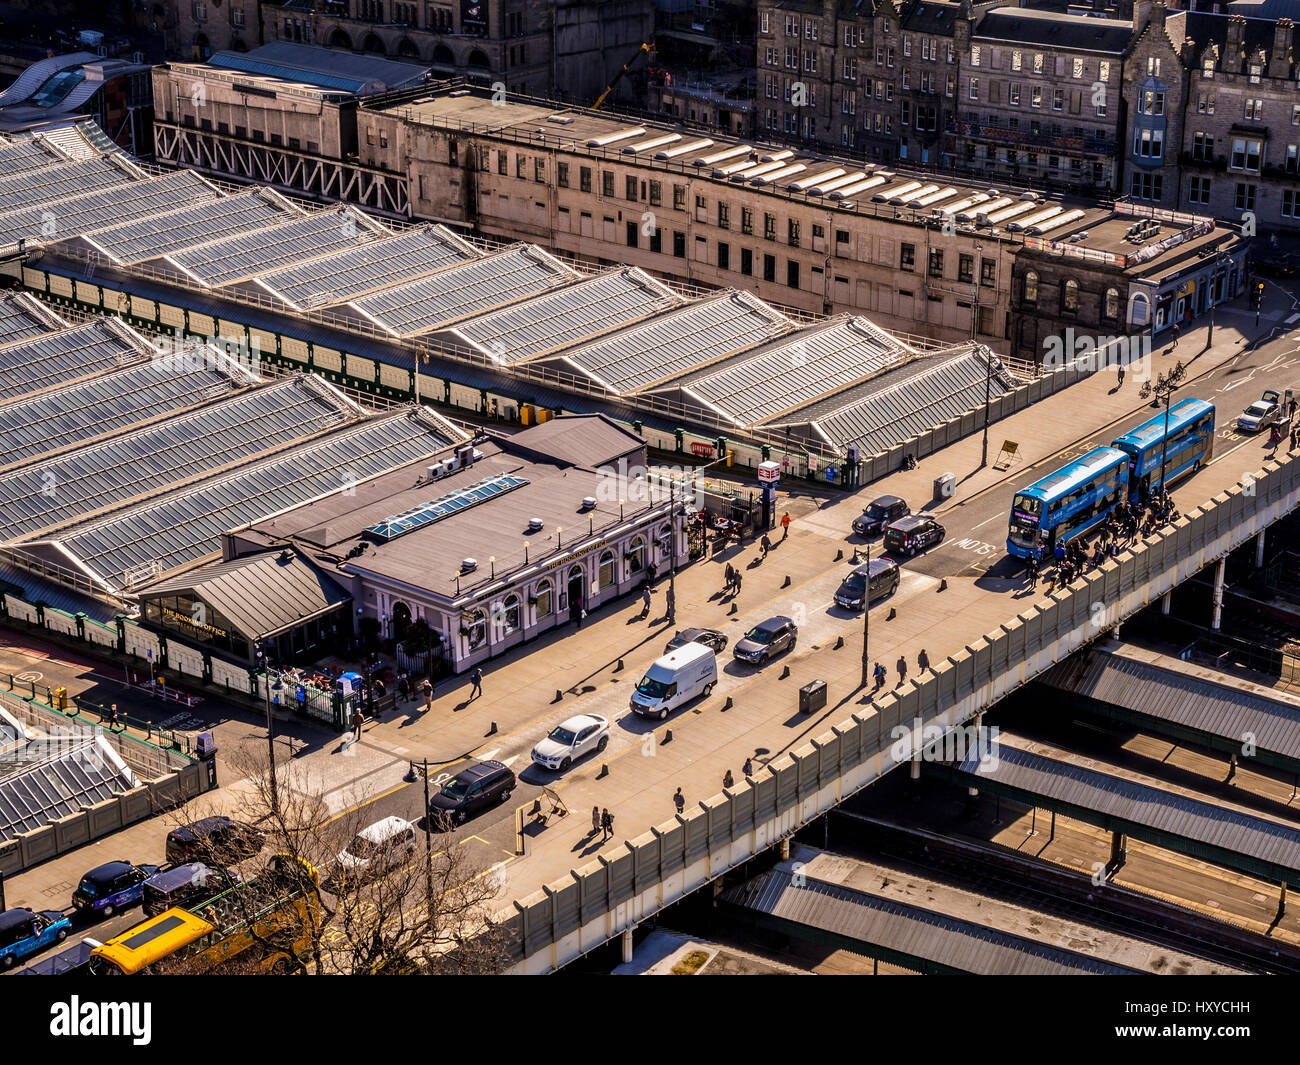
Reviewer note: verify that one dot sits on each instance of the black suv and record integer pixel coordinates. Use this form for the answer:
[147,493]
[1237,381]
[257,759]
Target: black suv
[912,535]
[471,790]
[872,521]
[766,640]
[217,840]
[852,594]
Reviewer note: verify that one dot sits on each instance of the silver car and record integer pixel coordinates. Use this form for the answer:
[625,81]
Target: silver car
[1259,415]
[571,740]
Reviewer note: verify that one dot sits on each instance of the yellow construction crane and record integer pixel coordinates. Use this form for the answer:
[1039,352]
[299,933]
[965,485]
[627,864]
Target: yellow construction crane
[619,76]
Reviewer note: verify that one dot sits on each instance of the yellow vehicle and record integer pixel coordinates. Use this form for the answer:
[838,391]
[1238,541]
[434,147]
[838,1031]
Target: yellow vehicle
[259,923]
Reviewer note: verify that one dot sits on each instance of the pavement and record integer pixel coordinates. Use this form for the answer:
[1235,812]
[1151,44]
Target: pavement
[947,597]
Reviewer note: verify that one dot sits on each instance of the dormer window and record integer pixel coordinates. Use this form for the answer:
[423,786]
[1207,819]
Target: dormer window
[1207,70]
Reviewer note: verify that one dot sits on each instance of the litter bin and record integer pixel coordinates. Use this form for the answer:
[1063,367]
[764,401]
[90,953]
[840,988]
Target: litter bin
[945,485]
[812,696]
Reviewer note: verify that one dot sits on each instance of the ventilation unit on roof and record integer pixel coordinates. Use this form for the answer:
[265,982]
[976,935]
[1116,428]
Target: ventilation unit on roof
[459,92]
[561,120]
[588,502]
[468,565]
[535,525]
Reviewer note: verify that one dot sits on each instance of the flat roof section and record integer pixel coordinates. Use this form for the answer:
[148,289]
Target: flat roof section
[192,226]
[43,362]
[172,452]
[380,264]
[558,319]
[677,341]
[326,68]
[248,254]
[1213,831]
[463,291]
[906,933]
[151,539]
[1223,709]
[105,403]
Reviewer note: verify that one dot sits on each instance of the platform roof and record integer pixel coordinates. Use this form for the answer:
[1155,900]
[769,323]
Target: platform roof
[51,359]
[23,316]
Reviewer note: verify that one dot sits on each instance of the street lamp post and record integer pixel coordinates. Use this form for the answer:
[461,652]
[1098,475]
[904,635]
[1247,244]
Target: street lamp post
[1214,286]
[1163,390]
[988,399]
[866,620]
[265,666]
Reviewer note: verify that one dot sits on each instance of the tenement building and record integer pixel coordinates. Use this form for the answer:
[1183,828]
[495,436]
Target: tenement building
[1214,117]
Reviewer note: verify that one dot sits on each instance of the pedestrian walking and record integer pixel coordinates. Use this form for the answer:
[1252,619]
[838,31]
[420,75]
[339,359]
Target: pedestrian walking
[1058,552]
[645,600]
[739,578]
[785,525]
[922,661]
[765,544]
[748,767]
[1232,768]
[606,824]
[426,689]
[1121,375]
[1033,570]
[902,670]
[679,800]
[1295,430]
[113,717]
[1051,584]
[595,820]
[403,687]
[727,779]
[671,599]
[476,678]
[357,719]
[1291,408]
[730,574]
[880,675]
[1175,343]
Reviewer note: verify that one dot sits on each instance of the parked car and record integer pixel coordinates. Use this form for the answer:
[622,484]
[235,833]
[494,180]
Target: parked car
[674,680]
[216,840]
[377,848]
[879,514]
[111,887]
[912,535]
[24,932]
[473,789]
[711,638]
[571,740]
[1278,265]
[885,575]
[1265,411]
[766,640]
[188,883]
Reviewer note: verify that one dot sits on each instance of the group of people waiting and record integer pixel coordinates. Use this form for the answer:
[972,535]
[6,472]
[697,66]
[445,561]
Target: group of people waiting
[1126,522]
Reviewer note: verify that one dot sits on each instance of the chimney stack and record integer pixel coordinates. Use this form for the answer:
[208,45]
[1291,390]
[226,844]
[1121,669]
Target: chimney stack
[1279,62]
[1236,41]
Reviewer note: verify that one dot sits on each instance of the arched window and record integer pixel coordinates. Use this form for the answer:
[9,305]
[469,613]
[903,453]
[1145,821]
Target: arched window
[510,615]
[544,599]
[1112,303]
[1031,287]
[1139,309]
[477,59]
[202,50]
[238,45]
[1070,296]
[636,556]
[474,629]
[401,619]
[443,58]
[407,50]
[373,45]
[606,577]
[339,39]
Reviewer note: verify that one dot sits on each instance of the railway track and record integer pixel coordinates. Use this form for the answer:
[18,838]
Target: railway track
[992,870]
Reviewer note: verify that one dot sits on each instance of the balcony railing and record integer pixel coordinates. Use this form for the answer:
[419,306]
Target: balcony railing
[1036,137]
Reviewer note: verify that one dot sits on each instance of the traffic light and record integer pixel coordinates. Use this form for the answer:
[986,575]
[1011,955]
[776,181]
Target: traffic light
[1257,294]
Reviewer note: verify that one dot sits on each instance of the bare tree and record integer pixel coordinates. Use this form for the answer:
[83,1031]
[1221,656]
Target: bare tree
[427,913]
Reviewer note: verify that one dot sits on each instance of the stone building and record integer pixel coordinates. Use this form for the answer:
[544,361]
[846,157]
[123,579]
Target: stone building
[1214,117]
[194,29]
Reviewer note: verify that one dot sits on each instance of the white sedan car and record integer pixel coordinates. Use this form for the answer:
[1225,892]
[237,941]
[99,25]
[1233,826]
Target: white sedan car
[571,740]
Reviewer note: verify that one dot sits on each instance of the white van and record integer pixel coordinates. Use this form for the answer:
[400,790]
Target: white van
[675,680]
[377,848]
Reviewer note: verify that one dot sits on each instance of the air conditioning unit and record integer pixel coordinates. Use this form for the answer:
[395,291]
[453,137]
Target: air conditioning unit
[588,502]
[468,565]
[535,525]
[435,471]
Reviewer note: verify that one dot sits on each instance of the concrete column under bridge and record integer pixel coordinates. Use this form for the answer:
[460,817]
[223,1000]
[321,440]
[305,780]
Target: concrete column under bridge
[1218,595]
[1259,549]
[1166,601]
[1118,850]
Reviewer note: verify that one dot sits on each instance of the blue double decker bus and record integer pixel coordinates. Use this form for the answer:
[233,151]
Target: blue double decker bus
[1190,446]
[1068,502]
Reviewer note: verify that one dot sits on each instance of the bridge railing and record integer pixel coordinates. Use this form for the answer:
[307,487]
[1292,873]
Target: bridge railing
[603,898]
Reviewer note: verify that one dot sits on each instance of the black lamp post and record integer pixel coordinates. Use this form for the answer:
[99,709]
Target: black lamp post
[866,619]
[1163,390]
[265,666]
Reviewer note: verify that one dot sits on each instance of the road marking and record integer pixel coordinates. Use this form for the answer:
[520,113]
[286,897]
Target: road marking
[1293,319]
[996,517]
[490,754]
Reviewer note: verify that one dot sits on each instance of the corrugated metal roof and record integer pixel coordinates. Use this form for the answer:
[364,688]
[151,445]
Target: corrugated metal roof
[919,933]
[677,342]
[107,403]
[262,594]
[901,403]
[51,183]
[1164,811]
[803,367]
[42,361]
[327,68]
[38,794]
[461,291]
[556,320]
[299,239]
[34,589]
[148,238]
[153,538]
[170,452]
[347,274]
[1217,709]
